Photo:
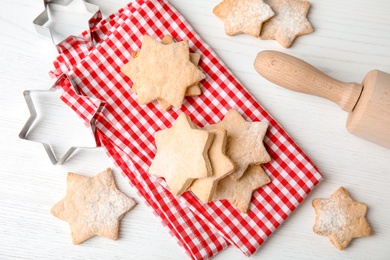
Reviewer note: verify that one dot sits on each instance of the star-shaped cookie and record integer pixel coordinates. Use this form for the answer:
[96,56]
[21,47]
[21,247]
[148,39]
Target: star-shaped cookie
[243,16]
[92,206]
[341,218]
[244,142]
[221,165]
[288,23]
[162,71]
[182,154]
[239,193]
[193,90]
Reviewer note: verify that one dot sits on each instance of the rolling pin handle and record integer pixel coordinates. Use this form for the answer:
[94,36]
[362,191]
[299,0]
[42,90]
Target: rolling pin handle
[295,74]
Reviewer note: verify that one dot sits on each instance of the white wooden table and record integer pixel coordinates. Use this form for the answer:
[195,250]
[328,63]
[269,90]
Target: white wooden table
[351,37]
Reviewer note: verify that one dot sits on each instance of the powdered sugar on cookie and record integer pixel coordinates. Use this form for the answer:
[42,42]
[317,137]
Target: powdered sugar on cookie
[92,206]
[204,161]
[245,141]
[182,154]
[243,16]
[341,218]
[333,219]
[288,23]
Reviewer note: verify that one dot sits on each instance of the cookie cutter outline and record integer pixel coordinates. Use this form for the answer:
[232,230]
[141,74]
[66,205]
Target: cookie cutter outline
[34,115]
[40,21]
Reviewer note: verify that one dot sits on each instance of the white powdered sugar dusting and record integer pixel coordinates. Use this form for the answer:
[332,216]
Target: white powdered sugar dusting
[334,216]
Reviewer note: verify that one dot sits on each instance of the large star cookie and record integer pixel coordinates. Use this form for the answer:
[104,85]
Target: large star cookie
[340,218]
[239,193]
[182,154]
[193,90]
[288,23]
[244,142]
[243,16]
[162,72]
[221,165]
[92,206]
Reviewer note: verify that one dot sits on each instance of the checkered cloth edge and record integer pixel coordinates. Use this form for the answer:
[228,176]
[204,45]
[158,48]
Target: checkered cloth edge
[126,130]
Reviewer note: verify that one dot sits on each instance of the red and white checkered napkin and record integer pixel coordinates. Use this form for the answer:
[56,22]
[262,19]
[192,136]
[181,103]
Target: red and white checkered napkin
[126,130]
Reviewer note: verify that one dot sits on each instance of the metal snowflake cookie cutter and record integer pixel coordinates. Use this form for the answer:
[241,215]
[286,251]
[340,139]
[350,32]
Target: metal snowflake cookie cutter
[29,125]
[42,26]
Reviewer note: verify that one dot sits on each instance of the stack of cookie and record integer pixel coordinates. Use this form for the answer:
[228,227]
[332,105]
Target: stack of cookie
[280,20]
[220,161]
[165,71]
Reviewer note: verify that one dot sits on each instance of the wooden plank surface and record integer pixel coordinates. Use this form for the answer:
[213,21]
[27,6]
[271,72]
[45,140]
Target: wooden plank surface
[350,38]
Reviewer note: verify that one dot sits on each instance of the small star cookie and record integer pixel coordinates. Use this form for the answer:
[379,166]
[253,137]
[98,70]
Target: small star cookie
[243,16]
[341,218]
[239,193]
[221,165]
[92,206]
[162,71]
[244,142]
[288,23]
[182,154]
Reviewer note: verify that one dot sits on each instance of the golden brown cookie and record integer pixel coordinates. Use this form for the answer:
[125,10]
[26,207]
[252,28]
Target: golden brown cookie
[193,90]
[341,218]
[182,154]
[92,206]
[244,142]
[162,72]
[221,165]
[239,193]
[243,16]
[288,23]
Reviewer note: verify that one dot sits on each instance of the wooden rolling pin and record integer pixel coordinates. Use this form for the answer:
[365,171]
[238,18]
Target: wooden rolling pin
[368,104]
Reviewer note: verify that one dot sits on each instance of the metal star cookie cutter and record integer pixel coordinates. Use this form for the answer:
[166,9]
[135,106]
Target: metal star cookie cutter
[29,125]
[41,21]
